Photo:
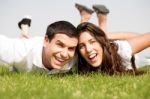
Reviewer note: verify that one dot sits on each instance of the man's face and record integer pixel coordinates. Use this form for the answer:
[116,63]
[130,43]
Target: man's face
[60,50]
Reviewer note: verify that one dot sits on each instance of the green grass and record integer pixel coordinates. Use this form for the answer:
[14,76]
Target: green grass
[73,86]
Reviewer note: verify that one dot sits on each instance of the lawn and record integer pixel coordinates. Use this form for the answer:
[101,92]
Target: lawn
[73,86]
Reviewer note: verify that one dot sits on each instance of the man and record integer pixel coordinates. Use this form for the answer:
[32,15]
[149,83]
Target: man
[55,53]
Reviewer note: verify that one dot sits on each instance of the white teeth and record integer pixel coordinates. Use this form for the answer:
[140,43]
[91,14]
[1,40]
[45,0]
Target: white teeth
[92,56]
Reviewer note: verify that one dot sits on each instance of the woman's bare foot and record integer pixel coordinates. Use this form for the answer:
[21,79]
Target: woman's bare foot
[24,25]
[101,12]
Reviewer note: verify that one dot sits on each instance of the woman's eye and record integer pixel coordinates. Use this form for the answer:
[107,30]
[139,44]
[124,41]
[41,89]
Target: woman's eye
[91,42]
[81,46]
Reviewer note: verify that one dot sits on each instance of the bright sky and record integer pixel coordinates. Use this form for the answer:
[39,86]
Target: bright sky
[125,15]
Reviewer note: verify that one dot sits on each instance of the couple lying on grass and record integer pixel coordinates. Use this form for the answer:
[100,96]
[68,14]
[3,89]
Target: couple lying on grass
[88,47]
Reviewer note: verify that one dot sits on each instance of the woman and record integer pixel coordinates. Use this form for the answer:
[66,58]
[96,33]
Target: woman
[24,25]
[101,12]
[98,53]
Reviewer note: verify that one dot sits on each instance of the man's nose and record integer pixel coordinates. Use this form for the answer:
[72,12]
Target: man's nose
[64,53]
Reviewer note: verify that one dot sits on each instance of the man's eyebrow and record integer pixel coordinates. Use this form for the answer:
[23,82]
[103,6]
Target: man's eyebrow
[62,43]
[59,41]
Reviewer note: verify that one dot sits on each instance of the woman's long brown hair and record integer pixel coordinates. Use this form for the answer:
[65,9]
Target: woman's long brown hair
[112,63]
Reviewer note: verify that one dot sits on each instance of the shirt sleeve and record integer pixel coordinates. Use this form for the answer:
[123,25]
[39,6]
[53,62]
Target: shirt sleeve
[125,51]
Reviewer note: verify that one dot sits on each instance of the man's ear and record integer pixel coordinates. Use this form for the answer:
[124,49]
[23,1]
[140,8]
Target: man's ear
[46,40]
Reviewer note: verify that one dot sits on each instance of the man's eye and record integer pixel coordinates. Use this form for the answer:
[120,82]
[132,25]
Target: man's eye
[72,49]
[59,45]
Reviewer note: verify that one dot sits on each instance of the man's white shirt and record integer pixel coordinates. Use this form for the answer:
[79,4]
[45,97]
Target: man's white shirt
[26,55]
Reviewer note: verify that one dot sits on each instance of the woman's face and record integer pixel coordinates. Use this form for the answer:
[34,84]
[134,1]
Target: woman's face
[90,49]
